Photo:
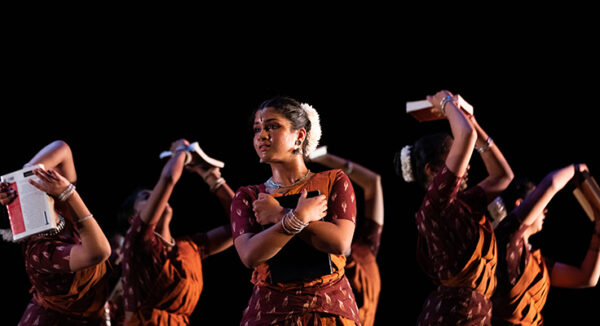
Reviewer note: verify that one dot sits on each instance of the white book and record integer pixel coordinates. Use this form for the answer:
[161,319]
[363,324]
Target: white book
[32,211]
[423,110]
[198,157]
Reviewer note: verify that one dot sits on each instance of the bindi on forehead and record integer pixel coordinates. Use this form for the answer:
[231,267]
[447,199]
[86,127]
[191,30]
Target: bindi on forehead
[266,115]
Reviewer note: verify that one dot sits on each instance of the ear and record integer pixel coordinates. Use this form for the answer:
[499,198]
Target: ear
[301,134]
[430,170]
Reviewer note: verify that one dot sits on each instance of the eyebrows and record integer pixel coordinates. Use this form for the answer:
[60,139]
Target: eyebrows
[258,122]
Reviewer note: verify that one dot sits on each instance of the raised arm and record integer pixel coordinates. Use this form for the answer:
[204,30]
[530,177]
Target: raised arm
[499,171]
[94,247]
[56,155]
[158,200]
[462,131]
[534,204]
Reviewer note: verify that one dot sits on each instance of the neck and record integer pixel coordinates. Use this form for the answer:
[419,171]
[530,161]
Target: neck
[289,172]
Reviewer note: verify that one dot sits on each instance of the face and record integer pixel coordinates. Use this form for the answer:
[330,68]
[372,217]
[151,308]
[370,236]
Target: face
[141,200]
[274,139]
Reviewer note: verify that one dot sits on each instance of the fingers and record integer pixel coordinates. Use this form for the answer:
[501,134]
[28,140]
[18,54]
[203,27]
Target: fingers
[37,185]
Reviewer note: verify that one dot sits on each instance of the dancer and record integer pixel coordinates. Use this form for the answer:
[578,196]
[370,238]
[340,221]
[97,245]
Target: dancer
[524,274]
[163,275]
[67,267]
[457,248]
[285,132]
[361,268]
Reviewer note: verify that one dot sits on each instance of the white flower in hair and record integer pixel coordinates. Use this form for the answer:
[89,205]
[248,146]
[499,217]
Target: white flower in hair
[407,172]
[314,135]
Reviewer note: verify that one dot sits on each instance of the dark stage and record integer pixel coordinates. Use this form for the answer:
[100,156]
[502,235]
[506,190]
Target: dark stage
[118,117]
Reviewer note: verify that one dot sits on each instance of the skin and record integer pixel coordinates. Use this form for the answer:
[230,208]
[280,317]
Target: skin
[274,142]
[532,212]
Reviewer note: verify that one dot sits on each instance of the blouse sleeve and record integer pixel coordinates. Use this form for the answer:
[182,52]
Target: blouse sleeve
[443,189]
[52,256]
[342,201]
[241,216]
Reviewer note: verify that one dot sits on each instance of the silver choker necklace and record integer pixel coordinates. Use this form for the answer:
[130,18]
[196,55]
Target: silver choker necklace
[59,227]
[273,185]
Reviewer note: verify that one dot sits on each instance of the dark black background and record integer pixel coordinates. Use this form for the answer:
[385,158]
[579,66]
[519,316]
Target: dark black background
[120,101]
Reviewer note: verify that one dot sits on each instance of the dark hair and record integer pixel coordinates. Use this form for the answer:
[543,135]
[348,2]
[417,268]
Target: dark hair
[432,149]
[518,188]
[291,110]
[127,210]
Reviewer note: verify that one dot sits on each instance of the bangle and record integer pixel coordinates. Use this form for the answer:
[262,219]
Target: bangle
[485,146]
[443,103]
[67,192]
[170,244]
[84,218]
[349,167]
[291,224]
[218,183]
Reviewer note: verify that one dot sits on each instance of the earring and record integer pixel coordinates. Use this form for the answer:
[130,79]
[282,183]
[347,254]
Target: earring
[298,149]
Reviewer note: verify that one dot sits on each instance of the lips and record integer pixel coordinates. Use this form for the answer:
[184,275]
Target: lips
[263,147]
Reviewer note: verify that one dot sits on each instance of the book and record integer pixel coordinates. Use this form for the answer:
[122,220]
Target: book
[320,151]
[198,156]
[587,194]
[297,260]
[423,110]
[32,211]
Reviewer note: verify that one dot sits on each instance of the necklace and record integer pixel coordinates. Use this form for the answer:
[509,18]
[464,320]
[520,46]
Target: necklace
[59,227]
[273,185]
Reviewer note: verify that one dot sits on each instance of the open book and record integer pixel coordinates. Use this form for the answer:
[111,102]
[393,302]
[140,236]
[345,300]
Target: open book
[32,210]
[423,110]
[198,157]
[587,193]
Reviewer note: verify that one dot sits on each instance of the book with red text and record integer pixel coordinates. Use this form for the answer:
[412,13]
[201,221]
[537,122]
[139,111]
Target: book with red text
[32,211]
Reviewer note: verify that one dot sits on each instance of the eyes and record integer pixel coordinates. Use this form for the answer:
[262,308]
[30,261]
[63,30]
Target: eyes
[268,127]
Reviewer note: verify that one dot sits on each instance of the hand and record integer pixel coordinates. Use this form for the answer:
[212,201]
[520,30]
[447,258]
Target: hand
[50,182]
[580,167]
[267,209]
[179,143]
[438,97]
[7,194]
[311,209]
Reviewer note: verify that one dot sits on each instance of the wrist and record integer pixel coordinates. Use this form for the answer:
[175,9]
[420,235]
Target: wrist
[66,194]
[486,146]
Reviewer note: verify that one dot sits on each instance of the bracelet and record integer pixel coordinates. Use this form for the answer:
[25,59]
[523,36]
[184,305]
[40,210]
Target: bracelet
[67,192]
[170,244]
[443,103]
[348,167]
[218,183]
[485,146]
[291,224]
[84,218]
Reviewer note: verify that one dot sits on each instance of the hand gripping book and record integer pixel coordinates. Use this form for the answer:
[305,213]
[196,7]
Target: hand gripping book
[32,211]
[587,193]
[423,110]
[198,156]
[297,260]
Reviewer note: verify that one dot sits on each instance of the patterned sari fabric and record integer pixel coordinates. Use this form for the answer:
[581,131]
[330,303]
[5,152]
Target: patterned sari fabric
[363,272]
[523,278]
[161,287]
[60,296]
[457,249]
[326,300]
